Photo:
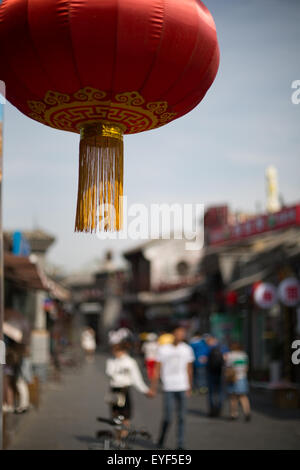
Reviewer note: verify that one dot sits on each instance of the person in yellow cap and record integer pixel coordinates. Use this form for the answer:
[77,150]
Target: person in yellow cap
[165,338]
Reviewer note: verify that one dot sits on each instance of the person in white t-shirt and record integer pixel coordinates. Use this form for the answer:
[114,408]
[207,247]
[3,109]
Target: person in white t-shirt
[88,341]
[175,368]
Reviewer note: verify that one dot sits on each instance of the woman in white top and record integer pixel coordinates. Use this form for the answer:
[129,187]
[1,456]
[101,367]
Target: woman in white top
[238,387]
[123,372]
[88,341]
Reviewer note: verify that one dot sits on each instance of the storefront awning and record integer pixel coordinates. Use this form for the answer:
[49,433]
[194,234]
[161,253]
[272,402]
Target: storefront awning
[22,271]
[16,326]
[12,332]
[56,290]
[90,308]
[155,298]
[247,281]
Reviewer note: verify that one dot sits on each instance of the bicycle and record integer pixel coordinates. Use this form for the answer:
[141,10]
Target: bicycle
[114,439]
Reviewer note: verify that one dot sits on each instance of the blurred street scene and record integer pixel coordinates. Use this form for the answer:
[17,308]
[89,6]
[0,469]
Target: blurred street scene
[114,341]
[238,296]
[67,420]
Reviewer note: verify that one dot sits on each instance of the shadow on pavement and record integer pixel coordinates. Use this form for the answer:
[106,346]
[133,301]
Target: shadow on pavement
[197,412]
[202,414]
[263,405]
[145,444]
[87,439]
[140,443]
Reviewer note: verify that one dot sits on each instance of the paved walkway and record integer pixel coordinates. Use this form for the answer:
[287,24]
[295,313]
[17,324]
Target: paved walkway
[67,419]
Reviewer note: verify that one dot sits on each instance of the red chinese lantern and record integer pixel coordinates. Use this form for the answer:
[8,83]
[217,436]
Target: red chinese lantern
[231,298]
[265,295]
[254,286]
[105,68]
[289,292]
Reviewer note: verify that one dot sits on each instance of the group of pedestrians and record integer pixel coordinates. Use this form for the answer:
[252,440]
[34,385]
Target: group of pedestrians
[182,369]
[221,371]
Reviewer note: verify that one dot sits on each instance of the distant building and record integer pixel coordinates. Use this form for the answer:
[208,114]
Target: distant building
[28,289]
[97,295]
[264,249]
[273,200]
[163,277]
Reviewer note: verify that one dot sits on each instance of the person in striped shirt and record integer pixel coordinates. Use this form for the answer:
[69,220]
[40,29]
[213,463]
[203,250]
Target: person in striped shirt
[237,385]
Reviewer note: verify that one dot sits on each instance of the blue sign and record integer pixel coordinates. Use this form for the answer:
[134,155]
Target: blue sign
[21,246]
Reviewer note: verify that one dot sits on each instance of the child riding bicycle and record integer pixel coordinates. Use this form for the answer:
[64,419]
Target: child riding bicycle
[123,372]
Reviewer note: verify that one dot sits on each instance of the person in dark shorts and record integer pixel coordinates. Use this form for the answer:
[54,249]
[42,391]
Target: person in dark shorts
[123,372]
[121,403]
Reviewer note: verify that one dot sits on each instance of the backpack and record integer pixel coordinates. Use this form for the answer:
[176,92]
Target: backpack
[215,360]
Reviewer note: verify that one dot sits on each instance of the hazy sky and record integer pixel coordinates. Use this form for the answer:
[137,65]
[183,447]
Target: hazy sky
[217,153]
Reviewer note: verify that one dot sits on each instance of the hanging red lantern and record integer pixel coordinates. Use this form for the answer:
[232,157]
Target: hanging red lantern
[265,295]
[104,69]
[289,292]
[231,298]
[254,286]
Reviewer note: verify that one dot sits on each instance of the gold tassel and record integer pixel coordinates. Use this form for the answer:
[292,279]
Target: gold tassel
[100,183]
